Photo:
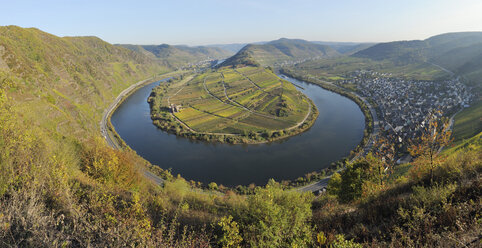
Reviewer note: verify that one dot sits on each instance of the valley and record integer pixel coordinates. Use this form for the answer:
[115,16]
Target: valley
[337,130]
[199,149]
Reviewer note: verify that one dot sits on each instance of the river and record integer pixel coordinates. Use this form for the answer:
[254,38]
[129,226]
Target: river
[338,129]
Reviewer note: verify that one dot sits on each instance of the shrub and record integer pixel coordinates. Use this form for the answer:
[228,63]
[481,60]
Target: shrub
[230,229]
[109,166]
[277,218]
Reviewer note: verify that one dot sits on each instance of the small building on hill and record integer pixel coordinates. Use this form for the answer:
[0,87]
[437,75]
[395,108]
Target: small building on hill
[175,108]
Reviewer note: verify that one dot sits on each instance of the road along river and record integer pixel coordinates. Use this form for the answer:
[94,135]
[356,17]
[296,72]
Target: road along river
[338,129]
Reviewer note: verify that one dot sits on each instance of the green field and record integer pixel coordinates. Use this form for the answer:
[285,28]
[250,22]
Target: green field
[468,122]
[246,101]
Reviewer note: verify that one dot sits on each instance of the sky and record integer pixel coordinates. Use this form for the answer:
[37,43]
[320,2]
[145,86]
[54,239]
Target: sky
[201,22]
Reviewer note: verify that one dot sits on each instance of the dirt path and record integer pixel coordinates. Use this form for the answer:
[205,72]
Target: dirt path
[249,79]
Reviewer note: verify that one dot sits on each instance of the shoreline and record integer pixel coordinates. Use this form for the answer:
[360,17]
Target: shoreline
[106,127]
[314,186]
[367,141]
[309,120]
[114,140]
[371,120]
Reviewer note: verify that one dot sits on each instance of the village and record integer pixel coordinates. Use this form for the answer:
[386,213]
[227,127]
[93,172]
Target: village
[404,105]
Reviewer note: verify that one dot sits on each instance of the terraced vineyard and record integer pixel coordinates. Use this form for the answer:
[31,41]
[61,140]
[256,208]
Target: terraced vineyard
[243,105]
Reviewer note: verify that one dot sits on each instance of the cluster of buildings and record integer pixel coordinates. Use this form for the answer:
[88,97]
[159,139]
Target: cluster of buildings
[209,62]
[292,62]
[404,105]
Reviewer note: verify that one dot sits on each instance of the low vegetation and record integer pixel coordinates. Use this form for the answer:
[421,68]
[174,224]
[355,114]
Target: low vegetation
[409,208]
[468,122]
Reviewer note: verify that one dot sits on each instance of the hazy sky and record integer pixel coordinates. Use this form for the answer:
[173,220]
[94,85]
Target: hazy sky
[199,22]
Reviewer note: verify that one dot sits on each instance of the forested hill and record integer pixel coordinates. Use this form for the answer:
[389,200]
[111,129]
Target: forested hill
[179,55]
[282,50]
[64,83]
[457,52]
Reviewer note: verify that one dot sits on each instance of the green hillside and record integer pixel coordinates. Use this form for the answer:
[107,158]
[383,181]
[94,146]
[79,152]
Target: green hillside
[282,50]
[176,56]
[468,122]
[243,57]
[399,51]
[460,53]
[423,50]
[64,84]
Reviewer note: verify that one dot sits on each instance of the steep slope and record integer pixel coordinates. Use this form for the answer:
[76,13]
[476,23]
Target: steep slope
[400,51]
[243,57]
[283,50]
[176,56]
[64,84]
[443,43]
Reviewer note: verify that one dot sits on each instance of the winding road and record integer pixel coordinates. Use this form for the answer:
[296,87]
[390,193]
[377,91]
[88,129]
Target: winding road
[104,129]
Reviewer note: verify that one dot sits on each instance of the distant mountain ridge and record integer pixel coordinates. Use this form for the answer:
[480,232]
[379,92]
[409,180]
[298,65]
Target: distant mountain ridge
[178,55]
[279,51]
[460,53]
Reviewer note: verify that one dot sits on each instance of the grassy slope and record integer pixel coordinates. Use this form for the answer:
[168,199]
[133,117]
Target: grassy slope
[409,212]
[468,122]
[68,80]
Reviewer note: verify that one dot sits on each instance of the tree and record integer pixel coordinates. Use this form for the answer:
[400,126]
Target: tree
[231,237]
[334,184]
[382,159]
[352,180]
[277,218]
[434,137]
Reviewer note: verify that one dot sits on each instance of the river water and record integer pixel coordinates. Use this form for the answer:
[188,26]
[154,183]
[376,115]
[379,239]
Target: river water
[338,129]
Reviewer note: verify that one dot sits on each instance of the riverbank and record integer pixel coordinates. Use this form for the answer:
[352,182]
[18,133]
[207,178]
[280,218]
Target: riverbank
[234,138]
[337,130]
[367,110]
[113,139]
[317,181]
[107,129]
